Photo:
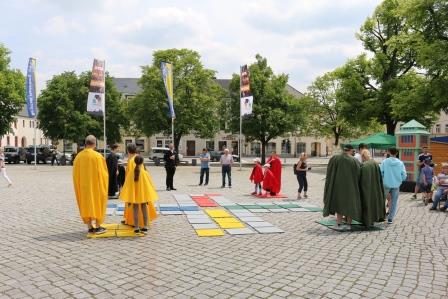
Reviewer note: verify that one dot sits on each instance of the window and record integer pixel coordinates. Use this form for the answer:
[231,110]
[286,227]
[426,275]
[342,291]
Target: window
[446,128]
[222,145]
[423,141]
[140,143]
[407,139]
[210,145]
[30,124]
[16,141]
[23,123]
[408,153]
[159,143]
[255,149]
[286,146]
[301,147]
[7,140]
[272,147]
[437,128]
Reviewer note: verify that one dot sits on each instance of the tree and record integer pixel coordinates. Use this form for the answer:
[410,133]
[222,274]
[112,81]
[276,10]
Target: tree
[324,111]
[62,109]
[370,87]
[12,91]
[196,97]
[275,111]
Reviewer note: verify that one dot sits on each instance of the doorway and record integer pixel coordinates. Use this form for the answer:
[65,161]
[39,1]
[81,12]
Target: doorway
[191,148]
[315,149]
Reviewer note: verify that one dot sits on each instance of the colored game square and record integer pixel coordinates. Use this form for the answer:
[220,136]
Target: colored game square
[313,209]
[110,226]
[298,210]
[171,212]
[289,206]
[259,210]
[251,219]
[226,220]
[234,207]
[128,233]
[107,234]
[269,230]
[169,209]
[189,213]
[240,231]
[205,226]
[241,213]
[122,226]
[231,225]
[217,213]
[252,207]
[112,205]
[260,224]
[210,232]
[110,211]
[189,208]
[279,210]
[200,221]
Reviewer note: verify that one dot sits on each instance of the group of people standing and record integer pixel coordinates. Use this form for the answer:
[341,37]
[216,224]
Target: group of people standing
[268,177]
[356,187]
[92,184]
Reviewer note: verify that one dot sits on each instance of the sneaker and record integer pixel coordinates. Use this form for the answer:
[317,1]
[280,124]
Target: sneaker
[389,221]
[144,229]
[205,184]
[137,231]
[91,230]
[298,196]
[200,184]
[99,230]
[306,196]
[443,209]
[168,189]
[173,189]
[433,209]
[253,193]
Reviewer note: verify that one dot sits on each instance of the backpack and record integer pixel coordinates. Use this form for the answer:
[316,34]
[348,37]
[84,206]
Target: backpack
[295,169]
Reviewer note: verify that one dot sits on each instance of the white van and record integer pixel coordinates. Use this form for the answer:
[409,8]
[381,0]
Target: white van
[159,152]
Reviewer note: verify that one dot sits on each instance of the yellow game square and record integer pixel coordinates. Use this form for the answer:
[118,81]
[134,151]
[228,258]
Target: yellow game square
[109,226]
[107,234]
[226,220]
[231,225]
[217,213]
[209,232]
[125,227]
[128,233]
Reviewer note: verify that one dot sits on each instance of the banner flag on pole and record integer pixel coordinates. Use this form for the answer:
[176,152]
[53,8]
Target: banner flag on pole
[246,98]
[96,103]
[30,96]
[167,75]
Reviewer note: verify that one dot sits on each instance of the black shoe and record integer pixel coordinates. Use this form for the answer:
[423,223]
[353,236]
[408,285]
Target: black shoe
[100,230]
[144,229]
[173,188]
[123,221]
[168,189]
[432,209]
[443,209]
[138,231]
[200,184]
[205,184]
[91,230]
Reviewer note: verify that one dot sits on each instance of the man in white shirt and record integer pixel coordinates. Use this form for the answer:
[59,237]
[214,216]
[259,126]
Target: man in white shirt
[361,147]
[226,162]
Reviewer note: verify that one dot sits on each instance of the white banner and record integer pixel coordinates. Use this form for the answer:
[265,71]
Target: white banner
[246,105]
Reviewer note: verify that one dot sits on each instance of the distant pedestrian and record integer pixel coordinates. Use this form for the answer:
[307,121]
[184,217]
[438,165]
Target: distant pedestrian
[3,168]
[442,188]
[424,155]
[226,162]
[427,175]
[171,159]
[257,176]
[121,174]
[54,156]
[394,173]
[361,147]
[205,168]
[112,167]
[301,170]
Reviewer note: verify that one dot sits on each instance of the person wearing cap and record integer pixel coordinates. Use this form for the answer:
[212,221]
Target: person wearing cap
[112,168]
[257,176]
[393,173]
[341,193]
[205,168]
[270,183]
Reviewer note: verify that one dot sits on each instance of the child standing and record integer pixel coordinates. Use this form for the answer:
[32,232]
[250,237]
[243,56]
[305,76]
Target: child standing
[257,176]
[427,174]
[138,193]
[270,183]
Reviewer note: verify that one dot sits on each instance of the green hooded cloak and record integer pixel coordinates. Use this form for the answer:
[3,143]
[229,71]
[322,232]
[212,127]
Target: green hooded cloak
[372,194]
[341,193]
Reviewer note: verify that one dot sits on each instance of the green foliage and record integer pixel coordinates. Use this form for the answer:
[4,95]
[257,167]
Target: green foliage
[275,111]
[12,92]
[197,97]
[62,109]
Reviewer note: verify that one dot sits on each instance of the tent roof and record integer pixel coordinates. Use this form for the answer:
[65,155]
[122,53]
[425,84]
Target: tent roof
[441,139]
[412,127]
[379,140]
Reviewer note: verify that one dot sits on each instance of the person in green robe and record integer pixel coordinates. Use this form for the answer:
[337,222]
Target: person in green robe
[372,191]
[341,193]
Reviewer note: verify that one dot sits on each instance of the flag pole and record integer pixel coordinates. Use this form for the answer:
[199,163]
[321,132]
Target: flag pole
[172,129]
[35,117]
[104,111]
[241,126]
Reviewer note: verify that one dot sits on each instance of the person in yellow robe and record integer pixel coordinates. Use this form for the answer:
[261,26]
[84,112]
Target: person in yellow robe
[138,193]
[90,181]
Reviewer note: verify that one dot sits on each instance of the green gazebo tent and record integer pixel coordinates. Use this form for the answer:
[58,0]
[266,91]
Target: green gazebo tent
[376,141]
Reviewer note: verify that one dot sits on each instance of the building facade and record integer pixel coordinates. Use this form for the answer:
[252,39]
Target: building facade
[22,132]
[290,145]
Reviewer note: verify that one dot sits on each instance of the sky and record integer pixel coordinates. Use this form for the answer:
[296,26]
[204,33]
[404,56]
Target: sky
[302,38]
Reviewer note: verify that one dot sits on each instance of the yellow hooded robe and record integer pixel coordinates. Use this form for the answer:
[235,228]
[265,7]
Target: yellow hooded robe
[90,181]
[141,191]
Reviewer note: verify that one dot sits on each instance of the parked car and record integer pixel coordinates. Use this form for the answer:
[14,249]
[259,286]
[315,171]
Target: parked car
[101,151]
[14,154]
[215,156]
[44,154]
[159,152]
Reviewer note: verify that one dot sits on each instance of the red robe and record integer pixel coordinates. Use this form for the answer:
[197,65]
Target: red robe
[257,174]
[270,182]
[276,168]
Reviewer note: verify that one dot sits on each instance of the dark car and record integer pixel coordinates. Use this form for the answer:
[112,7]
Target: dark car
[44,154]
[14,154]
[101,151]
[215,156]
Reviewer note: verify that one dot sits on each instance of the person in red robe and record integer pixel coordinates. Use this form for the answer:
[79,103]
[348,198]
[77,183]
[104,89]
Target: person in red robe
[270,183]
[257,176]
[276,168]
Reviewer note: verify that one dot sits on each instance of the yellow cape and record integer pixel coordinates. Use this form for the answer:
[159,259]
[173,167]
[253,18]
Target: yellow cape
[140,191]
[90,181]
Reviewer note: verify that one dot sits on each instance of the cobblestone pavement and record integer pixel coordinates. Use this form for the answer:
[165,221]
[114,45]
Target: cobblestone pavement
[44,251]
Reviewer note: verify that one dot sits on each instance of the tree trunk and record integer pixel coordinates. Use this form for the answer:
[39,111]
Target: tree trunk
[391,125]
[336,139]
[177,138]
[263,152]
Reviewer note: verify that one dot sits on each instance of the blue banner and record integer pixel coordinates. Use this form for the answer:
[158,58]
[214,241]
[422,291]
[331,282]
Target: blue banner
[30,96]
[167,75]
